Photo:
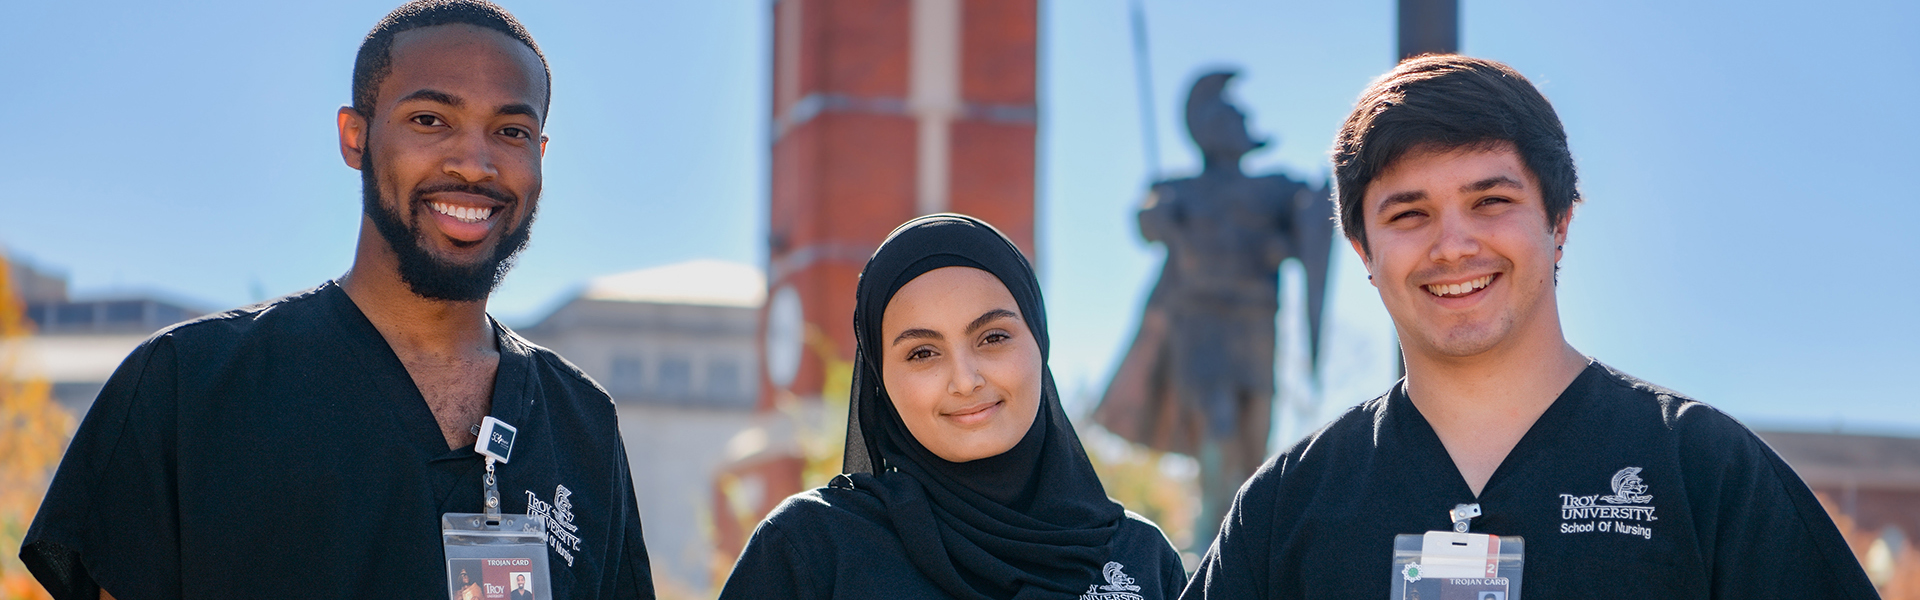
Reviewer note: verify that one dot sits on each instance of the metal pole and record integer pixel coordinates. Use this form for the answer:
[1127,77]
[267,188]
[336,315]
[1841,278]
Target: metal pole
[1428,27]
[1143,75]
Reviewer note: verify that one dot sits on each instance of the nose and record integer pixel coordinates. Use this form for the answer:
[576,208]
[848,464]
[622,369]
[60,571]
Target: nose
[470,157]
[964,379]
[1457,237]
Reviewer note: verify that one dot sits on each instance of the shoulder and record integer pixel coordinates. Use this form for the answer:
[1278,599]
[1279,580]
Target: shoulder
[822,509]
[551,362]
[1279,182]
[1141,531]
[219,337]
[1339,449]
[234,325]
[1172,190]
[1693,422]
[824,523]
[1355,430]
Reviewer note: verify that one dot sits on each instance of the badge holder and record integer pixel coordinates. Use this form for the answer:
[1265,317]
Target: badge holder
[1456,565]
[493,555]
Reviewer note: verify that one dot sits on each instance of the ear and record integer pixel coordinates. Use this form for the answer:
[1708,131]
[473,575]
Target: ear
[353,136]
[1560,233]
[1361,252]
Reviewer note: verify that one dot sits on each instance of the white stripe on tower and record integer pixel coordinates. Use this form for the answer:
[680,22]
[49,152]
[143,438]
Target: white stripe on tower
[933,94]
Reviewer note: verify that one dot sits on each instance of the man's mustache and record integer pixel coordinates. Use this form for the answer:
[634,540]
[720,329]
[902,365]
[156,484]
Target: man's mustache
[495,193]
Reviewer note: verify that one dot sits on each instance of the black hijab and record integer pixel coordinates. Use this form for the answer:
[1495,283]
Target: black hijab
[1032,522]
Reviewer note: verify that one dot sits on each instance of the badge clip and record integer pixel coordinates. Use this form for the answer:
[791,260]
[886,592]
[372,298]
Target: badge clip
[1462,514]
[496,443]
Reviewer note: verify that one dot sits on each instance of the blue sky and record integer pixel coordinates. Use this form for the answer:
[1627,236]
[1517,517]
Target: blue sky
[1744,165]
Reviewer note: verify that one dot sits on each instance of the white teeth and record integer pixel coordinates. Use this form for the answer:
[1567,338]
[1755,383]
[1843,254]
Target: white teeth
[1456,289]
[465,214]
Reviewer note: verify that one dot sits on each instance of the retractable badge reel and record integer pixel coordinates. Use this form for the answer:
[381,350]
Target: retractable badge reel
[494,555]
[1450,565]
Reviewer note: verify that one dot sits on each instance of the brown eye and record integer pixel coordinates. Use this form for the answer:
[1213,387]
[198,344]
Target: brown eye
[517,133]
[428,121]
[995,338]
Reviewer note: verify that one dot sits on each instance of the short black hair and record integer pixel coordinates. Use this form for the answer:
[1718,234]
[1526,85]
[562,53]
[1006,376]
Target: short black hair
[1448,101]
[375,60]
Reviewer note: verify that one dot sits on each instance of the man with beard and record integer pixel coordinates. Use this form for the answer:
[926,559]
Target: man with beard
[314,442]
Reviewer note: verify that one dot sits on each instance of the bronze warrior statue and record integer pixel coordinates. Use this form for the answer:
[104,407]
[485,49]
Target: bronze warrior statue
[1199,378]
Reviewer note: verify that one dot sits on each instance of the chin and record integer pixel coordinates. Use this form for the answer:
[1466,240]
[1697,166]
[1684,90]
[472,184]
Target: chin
[976,450]
[1462,340]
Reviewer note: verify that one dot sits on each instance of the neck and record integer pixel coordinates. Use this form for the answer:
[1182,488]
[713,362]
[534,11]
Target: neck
[1516,378]
[412,325]
[1220,165]
[1481,405]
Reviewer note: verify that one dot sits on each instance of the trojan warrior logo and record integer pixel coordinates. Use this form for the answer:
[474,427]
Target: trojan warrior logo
[1628,488]
[1119,586]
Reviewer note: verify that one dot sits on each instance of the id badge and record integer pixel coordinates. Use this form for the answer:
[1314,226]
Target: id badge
[495,562]
[494,556]
[1445,565]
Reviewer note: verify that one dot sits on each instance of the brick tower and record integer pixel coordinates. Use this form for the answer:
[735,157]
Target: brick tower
[884,110]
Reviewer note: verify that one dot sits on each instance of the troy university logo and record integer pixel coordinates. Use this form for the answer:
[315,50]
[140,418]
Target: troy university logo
[562,534]
[1119,586]
[1628,488]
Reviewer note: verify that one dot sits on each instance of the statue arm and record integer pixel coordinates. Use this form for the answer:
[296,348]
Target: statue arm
[1312,233]
[1158,219]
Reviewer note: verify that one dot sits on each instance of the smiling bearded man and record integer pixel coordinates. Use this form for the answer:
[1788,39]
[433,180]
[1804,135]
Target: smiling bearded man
[317,442]
[428,276]
[1456,189]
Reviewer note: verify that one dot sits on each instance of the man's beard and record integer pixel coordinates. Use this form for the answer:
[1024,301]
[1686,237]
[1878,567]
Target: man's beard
[428,276]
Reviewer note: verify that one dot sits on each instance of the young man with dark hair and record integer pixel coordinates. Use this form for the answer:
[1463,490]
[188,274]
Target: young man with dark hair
[315,442]
[1456,189]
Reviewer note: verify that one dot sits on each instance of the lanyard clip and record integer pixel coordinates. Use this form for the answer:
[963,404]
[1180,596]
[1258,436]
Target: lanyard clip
[493,495]
[1462,514]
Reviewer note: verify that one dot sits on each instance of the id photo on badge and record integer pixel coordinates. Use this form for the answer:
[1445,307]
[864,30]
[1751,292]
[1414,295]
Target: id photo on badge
[523,587]
[466,579]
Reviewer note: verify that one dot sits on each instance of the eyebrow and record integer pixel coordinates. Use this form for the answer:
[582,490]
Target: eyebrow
[917,333]
[517,108]
[1409,197]
[990,316]
[434,96]
[1401,198]
[1492,182]
[922,333]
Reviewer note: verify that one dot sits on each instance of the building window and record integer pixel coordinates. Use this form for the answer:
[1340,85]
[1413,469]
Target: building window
[723,379]
[76,314]
[676,377]
[125,312]
[627,374]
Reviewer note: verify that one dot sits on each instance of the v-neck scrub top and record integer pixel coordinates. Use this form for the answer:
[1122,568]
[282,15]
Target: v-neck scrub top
[283,449]
[1621,489]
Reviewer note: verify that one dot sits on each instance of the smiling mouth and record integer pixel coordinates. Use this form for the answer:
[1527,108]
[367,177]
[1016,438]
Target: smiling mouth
[464,214]
[1456,290]
[974,416]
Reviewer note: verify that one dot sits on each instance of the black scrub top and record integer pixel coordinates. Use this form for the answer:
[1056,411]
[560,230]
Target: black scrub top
[839,543]
[1693,504]
[282,449]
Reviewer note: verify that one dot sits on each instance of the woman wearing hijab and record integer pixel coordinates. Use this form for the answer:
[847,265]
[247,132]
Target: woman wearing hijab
[963,478]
